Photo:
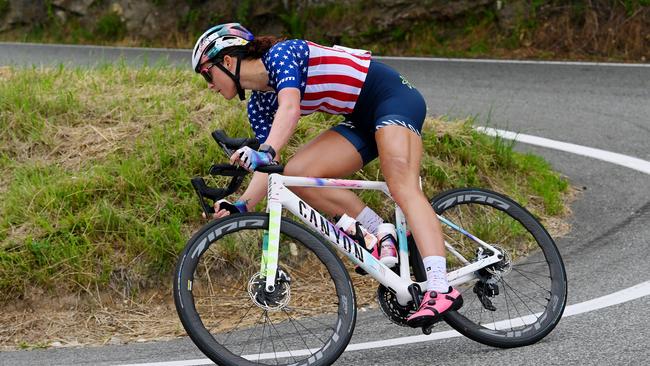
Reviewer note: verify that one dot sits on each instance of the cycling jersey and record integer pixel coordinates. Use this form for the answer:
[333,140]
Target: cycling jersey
[369,94]
[329,80]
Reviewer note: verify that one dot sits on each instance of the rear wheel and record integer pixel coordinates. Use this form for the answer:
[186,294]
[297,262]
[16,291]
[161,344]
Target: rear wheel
[519,300]
[221,299]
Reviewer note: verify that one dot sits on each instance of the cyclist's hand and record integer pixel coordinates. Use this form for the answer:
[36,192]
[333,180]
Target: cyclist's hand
[223,208]
[250,159]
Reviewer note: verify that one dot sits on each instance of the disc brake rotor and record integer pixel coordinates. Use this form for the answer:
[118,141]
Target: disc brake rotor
[270,301]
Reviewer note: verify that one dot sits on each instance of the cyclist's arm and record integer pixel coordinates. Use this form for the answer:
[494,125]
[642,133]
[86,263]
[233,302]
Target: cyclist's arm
[286,118]
[284,123]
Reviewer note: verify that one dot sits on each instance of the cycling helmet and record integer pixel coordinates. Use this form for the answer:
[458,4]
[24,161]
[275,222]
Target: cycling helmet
[216,39]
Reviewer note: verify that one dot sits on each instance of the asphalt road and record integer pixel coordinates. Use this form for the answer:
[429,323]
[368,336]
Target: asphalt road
[601,106]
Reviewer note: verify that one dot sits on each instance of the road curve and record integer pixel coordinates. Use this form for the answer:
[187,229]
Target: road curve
[600,106]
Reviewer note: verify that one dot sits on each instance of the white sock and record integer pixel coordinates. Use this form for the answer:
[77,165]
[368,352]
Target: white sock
[436,268]
[369,219]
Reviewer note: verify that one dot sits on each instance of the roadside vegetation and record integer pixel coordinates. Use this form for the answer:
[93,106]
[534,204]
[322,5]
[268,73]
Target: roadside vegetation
[96,201]
[597,30]
[95,168]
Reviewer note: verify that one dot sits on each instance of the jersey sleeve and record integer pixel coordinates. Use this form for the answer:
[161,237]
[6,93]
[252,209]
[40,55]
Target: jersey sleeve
[284,70]
[261,111]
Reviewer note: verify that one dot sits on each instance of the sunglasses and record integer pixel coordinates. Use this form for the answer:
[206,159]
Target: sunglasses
[206,73]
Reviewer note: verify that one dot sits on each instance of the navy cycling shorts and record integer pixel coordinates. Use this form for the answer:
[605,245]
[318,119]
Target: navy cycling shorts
[386,99]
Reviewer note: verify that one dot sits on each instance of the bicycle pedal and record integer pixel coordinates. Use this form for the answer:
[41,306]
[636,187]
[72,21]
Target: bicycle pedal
[427,328]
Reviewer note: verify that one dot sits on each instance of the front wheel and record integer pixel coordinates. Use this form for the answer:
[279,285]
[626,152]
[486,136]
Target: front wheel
[514,302]
[222,303]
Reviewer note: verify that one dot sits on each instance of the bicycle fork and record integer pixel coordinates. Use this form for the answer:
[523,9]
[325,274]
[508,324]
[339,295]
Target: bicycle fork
[270,246]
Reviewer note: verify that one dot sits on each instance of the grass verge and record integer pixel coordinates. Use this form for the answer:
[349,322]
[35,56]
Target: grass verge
[95,168]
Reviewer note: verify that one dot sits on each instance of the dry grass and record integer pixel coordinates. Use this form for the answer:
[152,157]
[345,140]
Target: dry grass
[107,131]
[88,319]
[592,31]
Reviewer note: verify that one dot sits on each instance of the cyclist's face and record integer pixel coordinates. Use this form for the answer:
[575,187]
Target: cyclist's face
[221,83]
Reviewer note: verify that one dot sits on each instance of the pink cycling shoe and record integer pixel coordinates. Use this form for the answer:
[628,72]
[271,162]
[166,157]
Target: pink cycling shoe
[433,306]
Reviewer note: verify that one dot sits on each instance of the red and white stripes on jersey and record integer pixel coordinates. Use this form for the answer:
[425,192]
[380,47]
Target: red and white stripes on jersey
[334,80]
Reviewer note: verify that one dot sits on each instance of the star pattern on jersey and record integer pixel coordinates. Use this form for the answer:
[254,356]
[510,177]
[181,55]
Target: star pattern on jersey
[286,63]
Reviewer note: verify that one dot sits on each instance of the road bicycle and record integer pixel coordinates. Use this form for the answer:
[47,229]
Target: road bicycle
[261,288]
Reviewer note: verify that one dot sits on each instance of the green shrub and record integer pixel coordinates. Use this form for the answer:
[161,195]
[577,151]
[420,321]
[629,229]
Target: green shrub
[110,27]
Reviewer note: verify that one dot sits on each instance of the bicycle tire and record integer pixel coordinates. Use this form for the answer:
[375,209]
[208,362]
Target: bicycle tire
[484,208]
[310,247]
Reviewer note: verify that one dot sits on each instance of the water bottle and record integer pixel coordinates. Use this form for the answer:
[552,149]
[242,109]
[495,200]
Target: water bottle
[387,244]
[349,225]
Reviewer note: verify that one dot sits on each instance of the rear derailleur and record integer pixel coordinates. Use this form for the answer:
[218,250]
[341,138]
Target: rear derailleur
[484,290]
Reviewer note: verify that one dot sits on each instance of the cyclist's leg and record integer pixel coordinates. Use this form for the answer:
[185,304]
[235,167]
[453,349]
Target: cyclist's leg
[329,155]
[398,120]
[400,154]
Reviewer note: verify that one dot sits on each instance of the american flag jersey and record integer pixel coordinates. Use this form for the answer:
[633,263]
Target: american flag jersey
[329,80]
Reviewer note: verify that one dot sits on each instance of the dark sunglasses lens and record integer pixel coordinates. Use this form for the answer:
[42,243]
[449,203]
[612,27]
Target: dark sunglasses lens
[206,75]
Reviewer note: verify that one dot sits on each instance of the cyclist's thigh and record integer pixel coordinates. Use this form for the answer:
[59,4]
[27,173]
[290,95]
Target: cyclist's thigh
[329,155]
[398,120]
[400,154]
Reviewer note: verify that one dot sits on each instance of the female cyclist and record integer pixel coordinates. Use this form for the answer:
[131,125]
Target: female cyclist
[383,113]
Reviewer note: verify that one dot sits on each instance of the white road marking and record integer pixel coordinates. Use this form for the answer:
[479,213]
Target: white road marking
[631,293]
[619,297]
[634,292]
[608,156]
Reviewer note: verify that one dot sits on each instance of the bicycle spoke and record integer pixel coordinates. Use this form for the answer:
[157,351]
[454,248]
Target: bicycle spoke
[230,332]
[275,355]
[533,281]
[309,330]
[523,294]
[247,339]
[493,320]
[312,318]
[529,272]
[529,263]
[259,352]
[300,335]
[285,344]
[505,291]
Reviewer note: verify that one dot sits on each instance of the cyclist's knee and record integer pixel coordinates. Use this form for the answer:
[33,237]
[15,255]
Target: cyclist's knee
[398,172]
[297,168]
[402,182]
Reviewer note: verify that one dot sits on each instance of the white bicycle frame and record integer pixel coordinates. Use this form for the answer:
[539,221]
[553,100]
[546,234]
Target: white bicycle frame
[279,196]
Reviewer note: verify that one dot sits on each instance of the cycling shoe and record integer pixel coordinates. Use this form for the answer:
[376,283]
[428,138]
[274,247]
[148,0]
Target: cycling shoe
[433,307]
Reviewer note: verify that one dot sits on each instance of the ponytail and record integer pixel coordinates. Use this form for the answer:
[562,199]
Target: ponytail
[261,45]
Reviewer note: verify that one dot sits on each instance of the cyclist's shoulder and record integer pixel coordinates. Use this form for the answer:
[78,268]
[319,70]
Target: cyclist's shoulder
[289,47]
[289,44]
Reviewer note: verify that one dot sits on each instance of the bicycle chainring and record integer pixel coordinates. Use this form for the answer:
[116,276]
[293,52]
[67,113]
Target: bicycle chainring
[391,308]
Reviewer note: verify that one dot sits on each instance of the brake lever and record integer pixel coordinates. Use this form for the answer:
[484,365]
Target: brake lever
[203,191]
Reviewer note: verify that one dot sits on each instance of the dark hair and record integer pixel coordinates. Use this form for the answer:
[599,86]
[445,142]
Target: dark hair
[254,49]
